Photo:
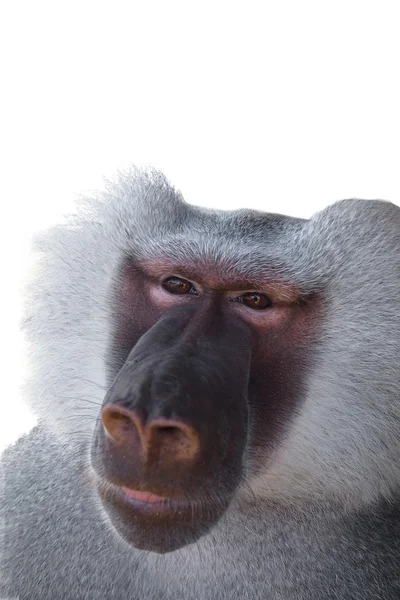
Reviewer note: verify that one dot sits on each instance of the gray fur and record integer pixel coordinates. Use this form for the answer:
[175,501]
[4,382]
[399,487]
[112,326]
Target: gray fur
[322,519]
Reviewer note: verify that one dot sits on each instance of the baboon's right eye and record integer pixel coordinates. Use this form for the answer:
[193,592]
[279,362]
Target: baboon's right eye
[176,285]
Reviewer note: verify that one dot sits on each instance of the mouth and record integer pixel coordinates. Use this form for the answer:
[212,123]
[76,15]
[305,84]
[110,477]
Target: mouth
[144,503]
[151,504]
[147,497]
[156,523]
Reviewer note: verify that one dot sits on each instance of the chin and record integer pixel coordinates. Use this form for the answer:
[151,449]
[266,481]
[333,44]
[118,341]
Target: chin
[158,526]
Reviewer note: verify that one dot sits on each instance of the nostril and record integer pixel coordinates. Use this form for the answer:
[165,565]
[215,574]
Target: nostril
[172,435]
[119,423]
[179,441]
[168,430]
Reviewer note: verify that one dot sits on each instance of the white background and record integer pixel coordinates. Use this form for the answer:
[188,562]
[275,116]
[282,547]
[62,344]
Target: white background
[282,106]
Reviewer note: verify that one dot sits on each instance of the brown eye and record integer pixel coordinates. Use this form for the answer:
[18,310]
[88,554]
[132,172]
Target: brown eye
[174,285]
[256,301]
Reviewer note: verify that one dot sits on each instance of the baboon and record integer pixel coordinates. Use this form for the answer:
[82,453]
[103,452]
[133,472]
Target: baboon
[218,404]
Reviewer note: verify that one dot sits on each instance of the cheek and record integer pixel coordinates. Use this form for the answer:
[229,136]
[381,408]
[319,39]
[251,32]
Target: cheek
[275,332]
[133,314]
[277,390]
[137,303]
[290,332]
[282,360]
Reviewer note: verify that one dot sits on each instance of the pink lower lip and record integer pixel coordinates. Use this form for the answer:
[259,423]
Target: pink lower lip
[142,496]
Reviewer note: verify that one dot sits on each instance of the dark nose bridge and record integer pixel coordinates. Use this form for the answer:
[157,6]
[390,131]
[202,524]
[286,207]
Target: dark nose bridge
[182,325]
[210,329]
[207,340]
[206,322]
[169,409]
[178,364]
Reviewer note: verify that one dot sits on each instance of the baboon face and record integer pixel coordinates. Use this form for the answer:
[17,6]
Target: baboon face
[202,390]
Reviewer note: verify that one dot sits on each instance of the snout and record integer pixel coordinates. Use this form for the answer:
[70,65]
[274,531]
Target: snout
[154,456]
[169,444]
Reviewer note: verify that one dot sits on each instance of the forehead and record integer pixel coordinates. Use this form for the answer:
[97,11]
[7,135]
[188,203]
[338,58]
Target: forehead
[222,249]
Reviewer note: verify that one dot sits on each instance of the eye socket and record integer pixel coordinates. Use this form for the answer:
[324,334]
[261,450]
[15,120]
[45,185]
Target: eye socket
[175,285]
[255,301]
